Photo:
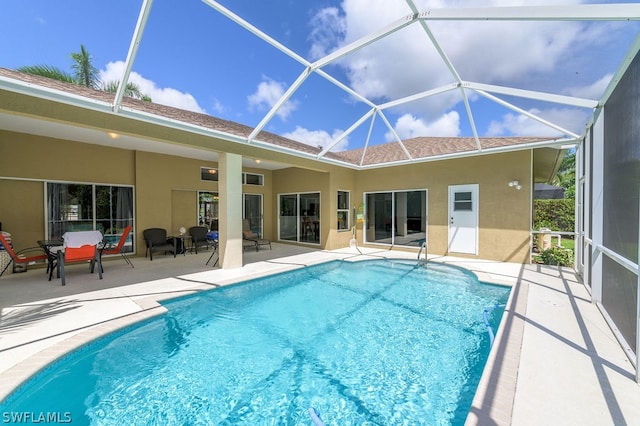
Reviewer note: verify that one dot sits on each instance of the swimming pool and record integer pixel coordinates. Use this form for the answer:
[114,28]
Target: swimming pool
[373,342]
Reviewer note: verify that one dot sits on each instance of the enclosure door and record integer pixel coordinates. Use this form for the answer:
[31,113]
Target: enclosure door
[463,219]
[253,212]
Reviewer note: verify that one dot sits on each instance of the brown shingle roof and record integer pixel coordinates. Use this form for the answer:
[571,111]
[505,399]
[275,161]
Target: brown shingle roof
[425,147]
[418,148]
[185,116]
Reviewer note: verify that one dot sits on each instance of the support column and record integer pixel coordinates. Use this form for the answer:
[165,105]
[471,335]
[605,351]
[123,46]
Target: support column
[230,214]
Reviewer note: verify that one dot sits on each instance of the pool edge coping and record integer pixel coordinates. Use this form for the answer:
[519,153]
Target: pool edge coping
[19,374]
[495,395]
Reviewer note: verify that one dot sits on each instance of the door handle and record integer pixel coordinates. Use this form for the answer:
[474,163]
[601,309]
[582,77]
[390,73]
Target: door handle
[451,220]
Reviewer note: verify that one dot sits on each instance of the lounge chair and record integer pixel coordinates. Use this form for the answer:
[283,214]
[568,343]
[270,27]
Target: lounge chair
[19,257]
[249,235]
[249,244]
[119,248]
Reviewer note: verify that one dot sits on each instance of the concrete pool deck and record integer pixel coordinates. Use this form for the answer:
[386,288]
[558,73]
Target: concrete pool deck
[555,360]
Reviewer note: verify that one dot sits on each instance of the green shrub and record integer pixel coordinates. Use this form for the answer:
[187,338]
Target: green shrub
[556,256]
[557,215]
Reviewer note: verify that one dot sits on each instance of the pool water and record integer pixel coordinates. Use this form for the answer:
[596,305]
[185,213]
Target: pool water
[364,343]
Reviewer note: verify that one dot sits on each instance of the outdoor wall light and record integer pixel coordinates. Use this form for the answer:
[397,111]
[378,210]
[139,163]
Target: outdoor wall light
[515,184]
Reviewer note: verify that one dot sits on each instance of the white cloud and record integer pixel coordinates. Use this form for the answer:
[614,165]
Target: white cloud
[592,91]
[409,126]
[571,119]
[165,96]
[267,94]
[318,138]
[218,107]
[327,28]
[404,63]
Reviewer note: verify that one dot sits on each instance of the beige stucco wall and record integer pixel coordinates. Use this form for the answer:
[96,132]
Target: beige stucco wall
[26,161]
[166,191]
[22,211]
[294,180]
[504,212]
[166,187]
[341,179]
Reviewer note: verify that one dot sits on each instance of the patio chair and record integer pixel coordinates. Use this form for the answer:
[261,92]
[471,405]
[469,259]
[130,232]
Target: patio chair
[198,236]
[81,246]
[157,240]
[119,248]
[249,235]
[214,239]
[18,257]
[249,244]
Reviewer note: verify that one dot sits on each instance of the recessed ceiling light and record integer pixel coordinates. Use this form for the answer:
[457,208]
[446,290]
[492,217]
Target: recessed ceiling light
[113,135]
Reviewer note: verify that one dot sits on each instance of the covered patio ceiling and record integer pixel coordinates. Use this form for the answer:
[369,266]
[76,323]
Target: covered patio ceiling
[372,119]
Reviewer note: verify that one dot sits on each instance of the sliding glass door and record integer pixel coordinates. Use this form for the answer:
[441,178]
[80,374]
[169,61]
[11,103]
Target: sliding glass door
[252,211]
[299,218]
[208,209]
[87,207]
[288,220]
[396,217]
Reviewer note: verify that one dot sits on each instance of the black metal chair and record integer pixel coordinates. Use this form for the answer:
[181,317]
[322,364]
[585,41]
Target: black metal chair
[157,240]
[199,237]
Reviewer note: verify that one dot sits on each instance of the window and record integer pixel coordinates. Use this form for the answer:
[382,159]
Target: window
[463,202]
[252,179]
[207,173]
[87,207]
[343,211]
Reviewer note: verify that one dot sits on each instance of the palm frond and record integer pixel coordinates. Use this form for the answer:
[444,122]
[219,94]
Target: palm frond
[132,90]
[48,71]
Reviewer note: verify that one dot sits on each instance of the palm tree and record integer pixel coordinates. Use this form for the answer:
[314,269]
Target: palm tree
[132,90]
[566,176]
[84,74]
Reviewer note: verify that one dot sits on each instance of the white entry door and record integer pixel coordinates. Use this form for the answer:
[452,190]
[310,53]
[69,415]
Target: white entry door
[463,219]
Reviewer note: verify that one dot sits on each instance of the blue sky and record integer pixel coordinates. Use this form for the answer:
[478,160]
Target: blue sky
[193,57]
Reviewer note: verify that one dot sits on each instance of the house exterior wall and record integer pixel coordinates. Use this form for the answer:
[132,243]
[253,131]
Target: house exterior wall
[504,212]
[166,186]
[297,180]
[26,161]
[166,191]
[341,179]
